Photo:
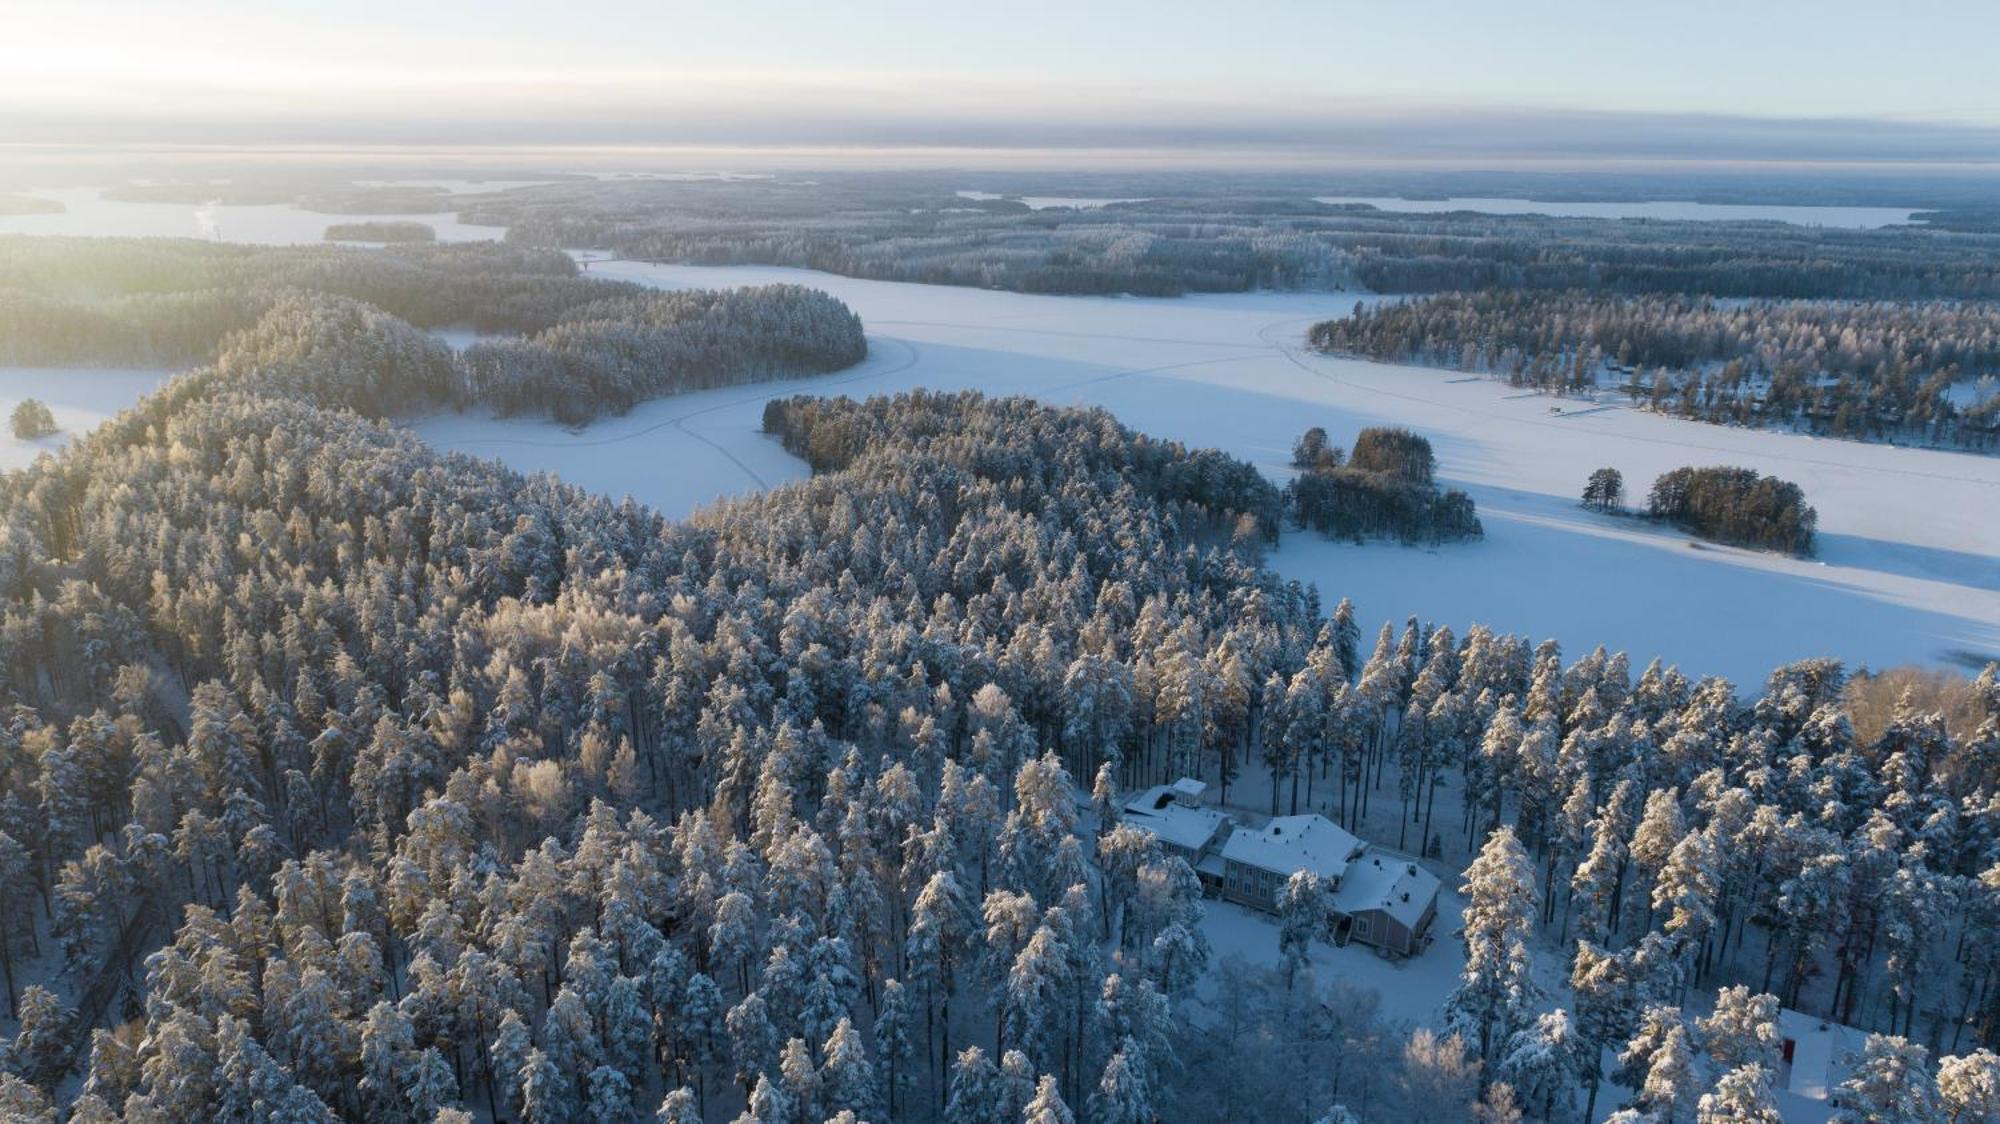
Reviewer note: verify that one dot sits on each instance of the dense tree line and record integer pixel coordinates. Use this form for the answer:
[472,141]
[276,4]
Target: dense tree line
[1384,489]
[1912,370]
[166,302]
[1735,505]
[416,787]
[381,231]
[1186,239]
[608,355]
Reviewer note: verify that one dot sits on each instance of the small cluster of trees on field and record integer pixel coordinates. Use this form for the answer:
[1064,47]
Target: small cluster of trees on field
[1924,370]
[1731,505]
[1735,505]
[1384,489]
[605,356]
[32,419]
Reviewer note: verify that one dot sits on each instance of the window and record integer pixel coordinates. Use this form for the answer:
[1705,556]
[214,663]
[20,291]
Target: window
[1364,926]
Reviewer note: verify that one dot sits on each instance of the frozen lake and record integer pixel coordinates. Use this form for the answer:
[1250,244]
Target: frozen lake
[89,214]
[80,397]
[1855,218]
[1909,564]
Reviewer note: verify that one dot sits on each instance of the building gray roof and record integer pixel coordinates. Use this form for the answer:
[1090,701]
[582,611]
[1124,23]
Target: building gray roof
[1293,843]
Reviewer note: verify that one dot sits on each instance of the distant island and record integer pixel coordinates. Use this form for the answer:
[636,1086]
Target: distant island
[30,205]
[381,232]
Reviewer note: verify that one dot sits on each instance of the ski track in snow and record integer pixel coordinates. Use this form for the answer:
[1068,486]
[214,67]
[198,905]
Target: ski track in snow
[1907,570]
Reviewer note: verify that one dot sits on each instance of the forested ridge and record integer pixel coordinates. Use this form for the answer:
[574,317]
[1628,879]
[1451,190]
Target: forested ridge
[588,347]
[610,354]
[466,789]
[1901,370]
[162,302]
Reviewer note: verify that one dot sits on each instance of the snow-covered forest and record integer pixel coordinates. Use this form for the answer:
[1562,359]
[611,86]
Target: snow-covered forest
[1919,371]
[596,346]
[406,787]
[607,355]
[1192,235]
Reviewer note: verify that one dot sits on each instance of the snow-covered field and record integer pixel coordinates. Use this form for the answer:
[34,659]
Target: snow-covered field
[89,214]
[1909,565]
[79,397]
[1853,218]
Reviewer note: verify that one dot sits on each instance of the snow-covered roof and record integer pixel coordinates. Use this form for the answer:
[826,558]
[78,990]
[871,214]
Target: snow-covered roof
[1293,843]
[1175,823]
[1819,1052]
[1189,788]
[1397,887]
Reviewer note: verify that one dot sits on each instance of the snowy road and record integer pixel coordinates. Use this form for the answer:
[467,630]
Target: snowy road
[1909,568]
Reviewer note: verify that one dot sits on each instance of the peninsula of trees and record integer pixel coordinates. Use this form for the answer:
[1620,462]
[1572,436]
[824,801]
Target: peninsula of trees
[589,346]
[1924,371]
[381,231]
[607,355]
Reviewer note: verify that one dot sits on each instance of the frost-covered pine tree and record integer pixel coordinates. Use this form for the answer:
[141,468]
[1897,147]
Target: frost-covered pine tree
[679,1106]
[1123,1095]
[1969,1087]
[940,929]
[1047,1106]
[610,1098]
[1495,992]
[547,1094]
[975,1096]
[1302,917]
[1686,889]
[1742,1029]
[1740,1096]
[1889,1082]
[768,1103]
[512,1044]
[432,1085]
[1543,1062]
[847,1079]
[753,1040]
[1659,1062]
[1597,887]
[893,1048]
[800,1079]
[1653,840]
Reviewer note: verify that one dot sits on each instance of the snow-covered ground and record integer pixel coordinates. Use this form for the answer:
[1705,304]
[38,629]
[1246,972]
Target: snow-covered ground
[1853,218]
[1909,564]
[79,397]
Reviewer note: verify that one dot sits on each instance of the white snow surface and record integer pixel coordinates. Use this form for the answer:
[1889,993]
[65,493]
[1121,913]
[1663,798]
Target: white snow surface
[89,214]
[81,398]
[1906,572]
[1852,218]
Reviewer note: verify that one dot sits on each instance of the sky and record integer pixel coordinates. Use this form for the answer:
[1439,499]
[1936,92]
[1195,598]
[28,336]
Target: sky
[1473,80]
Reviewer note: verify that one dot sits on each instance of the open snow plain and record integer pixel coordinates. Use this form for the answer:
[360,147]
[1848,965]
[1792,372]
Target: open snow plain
[81,398]
[1909,562]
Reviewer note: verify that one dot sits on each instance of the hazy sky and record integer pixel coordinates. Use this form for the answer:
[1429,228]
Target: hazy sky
[1474,79]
